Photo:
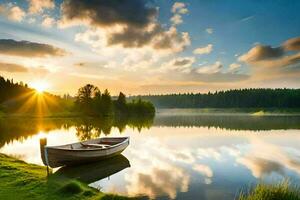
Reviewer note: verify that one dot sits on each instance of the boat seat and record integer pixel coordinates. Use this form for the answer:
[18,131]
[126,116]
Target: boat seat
[95,145]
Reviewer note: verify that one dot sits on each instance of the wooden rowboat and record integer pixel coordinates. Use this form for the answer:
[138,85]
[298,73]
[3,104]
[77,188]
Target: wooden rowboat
[82,152]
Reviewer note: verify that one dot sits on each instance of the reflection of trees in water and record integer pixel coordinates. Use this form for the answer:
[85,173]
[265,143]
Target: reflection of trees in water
[86,132]
[22,128]
[231,122]
[92,128]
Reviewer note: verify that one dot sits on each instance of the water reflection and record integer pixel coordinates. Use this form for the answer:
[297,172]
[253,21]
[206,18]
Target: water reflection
[88,128]
[20,129]
[178,157]
[92,172]
[231,122]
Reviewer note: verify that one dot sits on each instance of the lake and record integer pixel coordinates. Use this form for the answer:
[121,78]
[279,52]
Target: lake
[181,154]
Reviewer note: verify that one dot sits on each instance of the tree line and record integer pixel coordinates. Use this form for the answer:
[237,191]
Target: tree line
[238,98]
[10,90]
[90,101]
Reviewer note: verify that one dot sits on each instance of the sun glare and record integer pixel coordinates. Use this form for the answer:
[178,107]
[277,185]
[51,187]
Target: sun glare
[40,86]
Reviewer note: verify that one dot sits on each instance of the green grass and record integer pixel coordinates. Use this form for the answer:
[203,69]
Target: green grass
[280,191]
[19,180]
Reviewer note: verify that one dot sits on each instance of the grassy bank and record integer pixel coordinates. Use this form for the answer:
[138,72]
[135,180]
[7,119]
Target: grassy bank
[280,191]
[19,180]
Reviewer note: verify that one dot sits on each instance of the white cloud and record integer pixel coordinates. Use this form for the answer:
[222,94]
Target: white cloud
[247,18]
[14,13]
[37,6]
[48,22]
[181,64]
[209,30]
[204,50]
[261,52]
[179,7]
[280,62]
[210,69]
[31,20]
[176,19]
[234,67]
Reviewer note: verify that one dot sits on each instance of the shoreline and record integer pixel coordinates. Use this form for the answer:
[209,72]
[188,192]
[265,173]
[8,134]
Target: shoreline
[176,111]
[229,111]
[21,180]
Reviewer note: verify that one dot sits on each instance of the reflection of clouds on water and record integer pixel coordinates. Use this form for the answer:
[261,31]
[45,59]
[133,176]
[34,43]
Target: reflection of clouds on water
[265,158]
[157,157]
[185,156]
[166,160]
[209,153]
[29,148]
[206,171]
[154,182]
[154,171]
[261,167]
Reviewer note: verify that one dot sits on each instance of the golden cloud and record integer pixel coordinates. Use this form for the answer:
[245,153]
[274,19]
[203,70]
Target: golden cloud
[29,49]
[37,6]
[10,67]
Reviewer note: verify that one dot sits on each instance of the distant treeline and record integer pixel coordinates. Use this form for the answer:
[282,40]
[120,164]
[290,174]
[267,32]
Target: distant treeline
[242,98]
[90,101]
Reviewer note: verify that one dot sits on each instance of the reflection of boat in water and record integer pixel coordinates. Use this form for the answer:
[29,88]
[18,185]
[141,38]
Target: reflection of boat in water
[82,152]
[92,172]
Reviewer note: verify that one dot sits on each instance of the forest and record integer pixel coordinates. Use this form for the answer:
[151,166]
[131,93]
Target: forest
[239,98]
[90,101]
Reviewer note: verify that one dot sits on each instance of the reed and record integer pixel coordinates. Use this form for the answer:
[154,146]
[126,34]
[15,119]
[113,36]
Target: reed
[283,190]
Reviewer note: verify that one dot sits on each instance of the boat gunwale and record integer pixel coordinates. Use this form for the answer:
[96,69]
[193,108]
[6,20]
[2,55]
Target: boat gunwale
[126,139]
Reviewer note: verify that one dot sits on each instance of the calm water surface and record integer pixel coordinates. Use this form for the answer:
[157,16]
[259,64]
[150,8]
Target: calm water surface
[177,156]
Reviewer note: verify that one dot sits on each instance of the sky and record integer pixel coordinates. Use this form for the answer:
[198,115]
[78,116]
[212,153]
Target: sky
[151,46]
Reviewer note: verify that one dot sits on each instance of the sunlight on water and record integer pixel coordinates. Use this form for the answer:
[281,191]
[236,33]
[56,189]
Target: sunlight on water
[182,157]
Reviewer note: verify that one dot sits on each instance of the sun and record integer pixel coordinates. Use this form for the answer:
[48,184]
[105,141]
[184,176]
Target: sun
[40,86]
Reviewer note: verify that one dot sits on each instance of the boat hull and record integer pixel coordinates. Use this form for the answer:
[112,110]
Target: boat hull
[57,157]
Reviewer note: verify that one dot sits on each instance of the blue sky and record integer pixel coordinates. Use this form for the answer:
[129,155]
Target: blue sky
[169,46]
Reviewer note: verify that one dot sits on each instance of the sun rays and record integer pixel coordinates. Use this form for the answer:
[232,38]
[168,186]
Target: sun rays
[38,103]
